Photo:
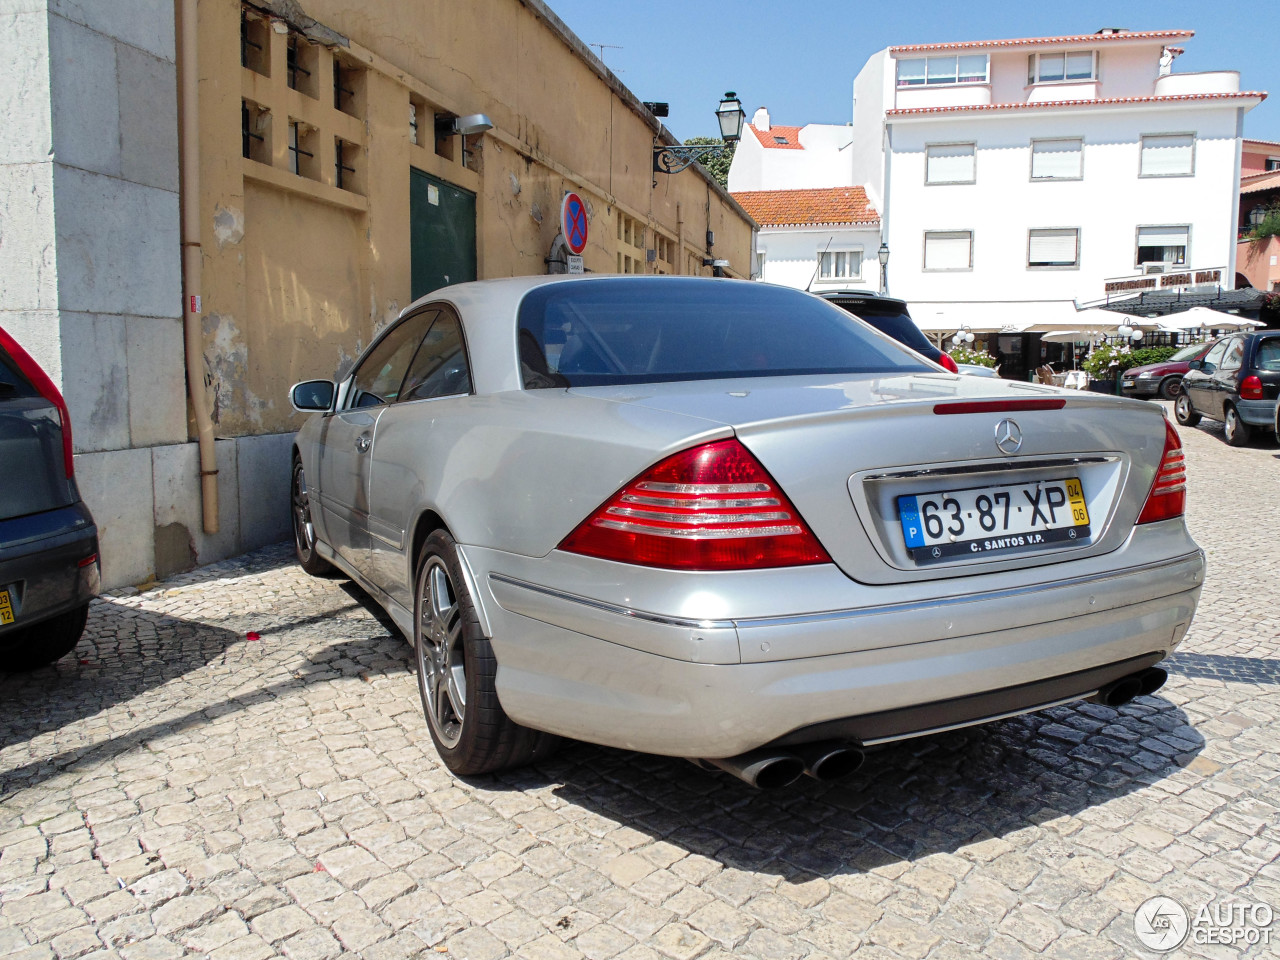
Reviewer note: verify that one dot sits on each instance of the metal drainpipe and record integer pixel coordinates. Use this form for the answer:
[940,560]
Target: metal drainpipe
[192,262]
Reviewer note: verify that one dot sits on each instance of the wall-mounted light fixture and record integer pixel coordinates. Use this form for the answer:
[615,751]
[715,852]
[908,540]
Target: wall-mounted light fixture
[673,159]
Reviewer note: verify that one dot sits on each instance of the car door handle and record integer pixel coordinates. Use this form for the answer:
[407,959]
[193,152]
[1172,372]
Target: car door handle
[363,442]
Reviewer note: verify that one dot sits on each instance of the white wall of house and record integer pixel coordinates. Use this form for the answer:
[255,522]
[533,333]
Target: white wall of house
[825,161]
[1107,205]
[791,255]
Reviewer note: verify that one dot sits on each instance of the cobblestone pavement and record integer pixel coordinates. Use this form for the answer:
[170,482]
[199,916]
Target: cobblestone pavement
[177,788]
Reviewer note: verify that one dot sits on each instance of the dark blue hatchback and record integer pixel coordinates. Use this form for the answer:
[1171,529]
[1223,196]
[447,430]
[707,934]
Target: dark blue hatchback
[49,569]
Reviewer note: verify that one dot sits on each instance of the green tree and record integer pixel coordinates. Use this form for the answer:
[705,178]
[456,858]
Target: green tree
[717,164]
[1269,225]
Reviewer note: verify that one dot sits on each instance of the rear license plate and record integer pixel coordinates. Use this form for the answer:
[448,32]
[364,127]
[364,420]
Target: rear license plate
[6,608]
[993,519]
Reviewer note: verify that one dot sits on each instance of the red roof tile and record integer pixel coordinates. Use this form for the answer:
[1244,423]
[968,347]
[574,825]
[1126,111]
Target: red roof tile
[1100,102]
[1260,182]
[1047,41]
[769,138]
[776,208]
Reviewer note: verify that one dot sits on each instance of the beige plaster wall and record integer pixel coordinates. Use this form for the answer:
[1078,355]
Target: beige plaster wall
[299,274]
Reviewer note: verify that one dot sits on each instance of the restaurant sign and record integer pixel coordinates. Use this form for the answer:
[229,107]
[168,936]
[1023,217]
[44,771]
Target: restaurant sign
[1166,282]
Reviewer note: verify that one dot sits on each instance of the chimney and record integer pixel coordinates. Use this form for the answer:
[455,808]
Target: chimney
[761,120]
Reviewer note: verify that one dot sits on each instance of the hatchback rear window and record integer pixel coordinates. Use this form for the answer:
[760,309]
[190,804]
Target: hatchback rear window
[1269,354]
[649,330]
[13,383]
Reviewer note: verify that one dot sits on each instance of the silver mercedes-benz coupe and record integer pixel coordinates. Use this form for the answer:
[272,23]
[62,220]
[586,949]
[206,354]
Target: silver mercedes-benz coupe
[728,521]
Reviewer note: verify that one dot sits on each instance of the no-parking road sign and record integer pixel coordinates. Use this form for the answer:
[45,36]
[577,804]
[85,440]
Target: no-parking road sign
[573,222]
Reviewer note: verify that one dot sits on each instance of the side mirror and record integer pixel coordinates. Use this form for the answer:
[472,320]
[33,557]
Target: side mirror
[1195,364]
[312,396]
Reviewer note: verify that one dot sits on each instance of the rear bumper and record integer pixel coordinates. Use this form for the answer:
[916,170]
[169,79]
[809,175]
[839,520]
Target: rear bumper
[1257,413]
[40,564]
[717,687]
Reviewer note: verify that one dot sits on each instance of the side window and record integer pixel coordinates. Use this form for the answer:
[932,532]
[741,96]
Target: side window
[1234,356]
[378,378]
[1214,356]
[439,369]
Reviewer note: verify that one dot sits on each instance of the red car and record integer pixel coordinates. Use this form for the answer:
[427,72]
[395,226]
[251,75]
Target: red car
[1163,380]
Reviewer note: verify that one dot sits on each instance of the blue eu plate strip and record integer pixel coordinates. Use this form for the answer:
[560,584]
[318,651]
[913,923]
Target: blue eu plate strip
[912,529]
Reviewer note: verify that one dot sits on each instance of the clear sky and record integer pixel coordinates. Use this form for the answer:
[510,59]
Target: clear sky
[799,57]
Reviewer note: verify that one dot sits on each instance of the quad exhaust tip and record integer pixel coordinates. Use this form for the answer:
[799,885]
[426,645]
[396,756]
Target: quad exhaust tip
[769,769]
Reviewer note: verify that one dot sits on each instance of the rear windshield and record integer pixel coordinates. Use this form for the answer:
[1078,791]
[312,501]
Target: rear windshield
[649,330]
[899,326]
[1268,354]
[13,383]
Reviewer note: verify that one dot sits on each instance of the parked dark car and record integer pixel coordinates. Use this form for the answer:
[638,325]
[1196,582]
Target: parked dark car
[1237,382]
[49,568]
[891,318]
[1164,379]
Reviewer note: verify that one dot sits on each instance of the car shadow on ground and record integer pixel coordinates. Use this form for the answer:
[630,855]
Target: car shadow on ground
[928,795]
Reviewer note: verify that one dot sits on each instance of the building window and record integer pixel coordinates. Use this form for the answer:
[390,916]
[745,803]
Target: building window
[255,42]
[1168,155]
[1162,245]
[346,81]
[419,116]
[302,150]
[302,63]
[632,254]
[840,265]
[255,132]
[1272,163]
[1057,159]
[1062,67]
[948,250]
[1053,248]
[344,159]
[930,71]
[664,253]
[949,163]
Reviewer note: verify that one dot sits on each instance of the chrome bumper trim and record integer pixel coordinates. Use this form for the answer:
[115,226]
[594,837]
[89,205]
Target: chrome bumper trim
[855,612]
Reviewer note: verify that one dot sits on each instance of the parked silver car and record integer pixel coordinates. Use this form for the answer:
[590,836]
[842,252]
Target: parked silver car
[729,521]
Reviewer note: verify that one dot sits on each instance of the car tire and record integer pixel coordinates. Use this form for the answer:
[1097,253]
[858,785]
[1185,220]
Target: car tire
[1170,388]
[1236,430]
[1184,412]
[457,673]
[43,643]
[304,531]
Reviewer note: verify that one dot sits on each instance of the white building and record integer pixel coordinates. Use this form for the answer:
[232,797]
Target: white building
[1018,179]
[819,231]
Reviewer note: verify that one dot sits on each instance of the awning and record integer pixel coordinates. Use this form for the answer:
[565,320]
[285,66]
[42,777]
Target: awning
[994,316]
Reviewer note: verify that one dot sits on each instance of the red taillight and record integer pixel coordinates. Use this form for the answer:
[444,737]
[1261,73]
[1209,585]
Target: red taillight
[40,380]
[1168,496]
[1251,389]
[947,362]
[712,507]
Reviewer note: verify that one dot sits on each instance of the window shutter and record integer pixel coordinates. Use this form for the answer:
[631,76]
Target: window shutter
[949,163]
[1162,236]
[1167,156]
[948,251]
[1052,248]
[1057,159]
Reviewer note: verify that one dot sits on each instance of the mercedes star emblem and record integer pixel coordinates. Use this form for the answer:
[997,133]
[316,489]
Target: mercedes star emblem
[1008,437]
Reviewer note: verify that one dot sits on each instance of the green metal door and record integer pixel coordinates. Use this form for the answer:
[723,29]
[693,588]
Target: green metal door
[442,233]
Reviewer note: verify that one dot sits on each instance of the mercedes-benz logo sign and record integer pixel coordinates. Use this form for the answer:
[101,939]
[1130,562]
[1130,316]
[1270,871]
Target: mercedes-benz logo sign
[1008,437]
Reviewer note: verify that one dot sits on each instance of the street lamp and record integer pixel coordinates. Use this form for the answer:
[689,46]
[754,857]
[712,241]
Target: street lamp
[883,255]
[676,157]
[963,335]
[1127,332]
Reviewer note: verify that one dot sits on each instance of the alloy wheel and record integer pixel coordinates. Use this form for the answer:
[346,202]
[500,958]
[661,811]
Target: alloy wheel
[442,675]
[304,531]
